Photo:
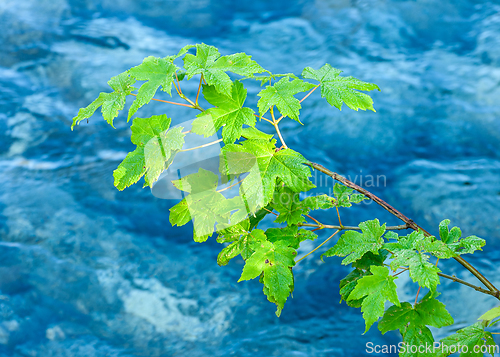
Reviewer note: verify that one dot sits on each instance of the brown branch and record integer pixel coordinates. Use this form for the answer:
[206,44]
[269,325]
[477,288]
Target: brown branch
[352,228]
[408,221]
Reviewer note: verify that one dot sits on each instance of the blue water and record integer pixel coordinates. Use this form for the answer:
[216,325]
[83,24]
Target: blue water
[86,270]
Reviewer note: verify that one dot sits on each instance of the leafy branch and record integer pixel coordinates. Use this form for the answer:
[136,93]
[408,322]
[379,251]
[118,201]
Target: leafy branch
[273,179]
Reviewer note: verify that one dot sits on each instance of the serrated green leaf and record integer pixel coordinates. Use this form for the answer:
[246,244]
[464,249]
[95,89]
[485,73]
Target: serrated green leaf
[290,235]
[157,72]
[443,230]
[271,77]
[338,90]
[244,246]
[229,113]
[421,270]
[457,245]
[209,62]
[156,144]
[345,197]
[130,170]
[354,244]
[418,342]
[253,133]
[179,214]
[369,259]
[111,103]
[467,245]
[376,289]
[471,336]
[318,202]
[428,312]
[265,165]
[490,314]
[409,251]
[274,261]
[281,95]
[348,284]
[206,206]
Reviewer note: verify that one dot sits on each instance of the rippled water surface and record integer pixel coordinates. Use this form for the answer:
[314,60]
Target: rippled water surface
[86,270]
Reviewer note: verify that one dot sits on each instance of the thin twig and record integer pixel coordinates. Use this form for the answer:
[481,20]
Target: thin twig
[178,84]
[270,211]
[300,101]
[355,228]
[409,222]
[319,246]
[338,215]
[227,188]
[402,271]
[199,87]
[202,146]
[166,101]
[416,297]
[458,280]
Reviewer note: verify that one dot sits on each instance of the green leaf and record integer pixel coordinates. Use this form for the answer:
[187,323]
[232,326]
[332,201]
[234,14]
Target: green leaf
[281,95]
[354,244]
[157,72]
[418,342]
[428,312]
[290,235]
[376,289]
[345,196]
[131,169]
[292,209]
[467,338]
[457,245]
[244,245]
[289,206]
[111,103]
[338,90]
[443,230]
[156,144]
[271,77]
[179,214]
[265,165]
[209,62]
[348,284]
[253,133]
[274,261]
[413,322]
[409,251]
[206,206]
[229,112]
[490,314]
[369,259]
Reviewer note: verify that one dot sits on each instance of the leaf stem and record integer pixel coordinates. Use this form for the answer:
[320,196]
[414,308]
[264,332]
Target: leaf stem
[389,228]
[270,211]
[319,246]
[338,215]
[495,292]
[234,184]
[166,101]
[275,124]
[416,297]
[315,220]
[199,87]
[178,84]
[458,280]
[300,101]
[402,271]
[202,146]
